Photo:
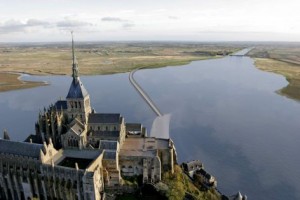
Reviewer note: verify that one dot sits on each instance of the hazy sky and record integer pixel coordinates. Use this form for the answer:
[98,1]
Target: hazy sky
[195,20]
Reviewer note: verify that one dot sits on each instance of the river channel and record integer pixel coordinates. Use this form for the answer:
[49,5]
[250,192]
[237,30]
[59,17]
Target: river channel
[224,112]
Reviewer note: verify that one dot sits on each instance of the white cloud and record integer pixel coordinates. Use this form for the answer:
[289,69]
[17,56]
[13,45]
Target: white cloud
[11,26]
[176,19]
[113,19]
[72,23]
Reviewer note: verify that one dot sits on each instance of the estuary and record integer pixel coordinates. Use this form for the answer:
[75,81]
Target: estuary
[224,112]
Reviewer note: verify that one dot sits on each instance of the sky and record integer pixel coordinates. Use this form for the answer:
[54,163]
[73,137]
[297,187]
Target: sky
[150,20]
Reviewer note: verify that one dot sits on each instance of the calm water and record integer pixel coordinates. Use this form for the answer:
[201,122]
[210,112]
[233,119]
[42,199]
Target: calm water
[225,112]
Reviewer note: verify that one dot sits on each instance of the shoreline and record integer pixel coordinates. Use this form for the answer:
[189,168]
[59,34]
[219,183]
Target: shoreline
[13,79]
[290,71]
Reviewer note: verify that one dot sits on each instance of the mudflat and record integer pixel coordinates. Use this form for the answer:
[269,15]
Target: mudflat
[284,59]
[98,58]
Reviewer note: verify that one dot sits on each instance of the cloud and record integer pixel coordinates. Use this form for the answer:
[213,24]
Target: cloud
[128,25]
[13,26]
[19,26]
[113,19]
[125,24]
[36,22]
[68,23]
[173,17]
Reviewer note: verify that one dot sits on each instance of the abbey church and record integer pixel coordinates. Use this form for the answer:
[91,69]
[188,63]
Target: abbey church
[78,153]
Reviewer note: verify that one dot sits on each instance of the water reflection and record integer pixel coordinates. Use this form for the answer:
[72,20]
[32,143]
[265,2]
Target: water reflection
[224,112]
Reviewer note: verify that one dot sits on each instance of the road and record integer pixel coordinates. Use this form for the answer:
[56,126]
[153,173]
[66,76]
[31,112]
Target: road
[143,94]
[242,52]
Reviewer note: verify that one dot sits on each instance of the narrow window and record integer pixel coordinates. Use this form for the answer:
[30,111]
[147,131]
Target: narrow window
[98,128]
[79,104]
[75,104]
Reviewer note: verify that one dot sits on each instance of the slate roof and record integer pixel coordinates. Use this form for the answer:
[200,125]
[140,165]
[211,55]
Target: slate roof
[105,118]
[110,155]
[108,144]
[77,90]
[61,104]
[21,148]
[106,134]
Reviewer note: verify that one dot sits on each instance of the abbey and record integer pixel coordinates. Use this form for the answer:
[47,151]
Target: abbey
[78,153]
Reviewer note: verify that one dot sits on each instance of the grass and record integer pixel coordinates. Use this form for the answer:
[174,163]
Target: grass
[179,184]
[99,58]
[283,60]
[10,81]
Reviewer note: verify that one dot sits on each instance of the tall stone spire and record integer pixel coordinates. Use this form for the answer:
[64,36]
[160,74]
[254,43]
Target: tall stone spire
[78,99]
[74,64]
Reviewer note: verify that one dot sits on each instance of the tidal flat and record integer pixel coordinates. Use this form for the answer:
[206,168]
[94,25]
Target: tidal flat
[283,59]
[99,58]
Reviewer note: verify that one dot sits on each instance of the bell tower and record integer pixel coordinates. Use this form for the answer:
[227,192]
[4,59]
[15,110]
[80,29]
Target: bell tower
[78,99]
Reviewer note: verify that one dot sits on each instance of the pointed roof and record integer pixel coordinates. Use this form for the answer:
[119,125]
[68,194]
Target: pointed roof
[74,61]
[77,89]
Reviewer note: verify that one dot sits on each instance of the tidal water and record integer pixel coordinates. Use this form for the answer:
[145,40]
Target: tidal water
[224,112]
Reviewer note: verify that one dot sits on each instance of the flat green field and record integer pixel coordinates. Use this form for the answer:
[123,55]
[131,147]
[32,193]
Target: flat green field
[103,58]
[282,59]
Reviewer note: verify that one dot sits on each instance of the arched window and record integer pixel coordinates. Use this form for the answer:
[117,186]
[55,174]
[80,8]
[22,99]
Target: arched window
[79,104]
[75,104]
[98,128]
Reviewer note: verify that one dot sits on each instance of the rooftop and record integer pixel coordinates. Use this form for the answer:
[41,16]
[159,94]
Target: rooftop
[105,118]
[137,153]
[114,134]
[21,148]
[108,144]
[77,90]
[110,155]
[61,104]
[142,143]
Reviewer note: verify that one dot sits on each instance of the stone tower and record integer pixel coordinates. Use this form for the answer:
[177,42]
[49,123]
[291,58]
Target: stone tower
[78,99]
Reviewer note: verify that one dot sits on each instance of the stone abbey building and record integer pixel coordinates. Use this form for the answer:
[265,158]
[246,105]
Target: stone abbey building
[78,153]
